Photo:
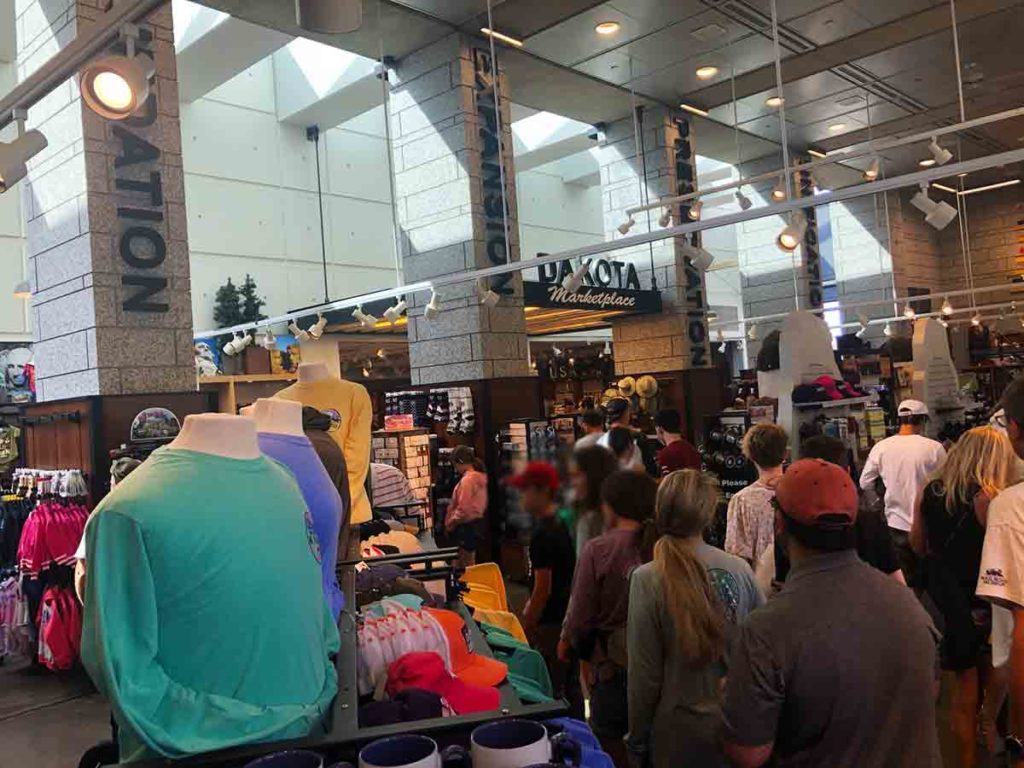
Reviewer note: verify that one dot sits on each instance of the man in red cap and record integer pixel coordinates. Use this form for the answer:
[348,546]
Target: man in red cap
[552,562]
[839,669]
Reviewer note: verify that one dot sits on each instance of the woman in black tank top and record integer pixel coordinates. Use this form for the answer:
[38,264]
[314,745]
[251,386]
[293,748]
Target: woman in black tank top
[949,533]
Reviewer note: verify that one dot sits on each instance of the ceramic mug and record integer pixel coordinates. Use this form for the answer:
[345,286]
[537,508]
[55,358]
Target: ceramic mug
[515,743]
[297,758]
[410,751]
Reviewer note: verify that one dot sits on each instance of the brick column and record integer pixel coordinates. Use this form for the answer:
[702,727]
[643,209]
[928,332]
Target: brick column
[445,145]
[676,339]
[106,233]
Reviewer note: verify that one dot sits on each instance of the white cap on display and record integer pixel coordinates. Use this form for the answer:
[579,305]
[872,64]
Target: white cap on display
[912,408]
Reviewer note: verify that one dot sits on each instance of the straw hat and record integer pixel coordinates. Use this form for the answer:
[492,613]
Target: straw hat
[647,387]
[627,386]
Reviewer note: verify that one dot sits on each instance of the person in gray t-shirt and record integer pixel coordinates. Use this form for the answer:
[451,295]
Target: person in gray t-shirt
[838,669]
[683,610]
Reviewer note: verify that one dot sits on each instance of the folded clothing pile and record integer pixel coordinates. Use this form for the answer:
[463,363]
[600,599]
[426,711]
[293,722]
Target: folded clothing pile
[826,389]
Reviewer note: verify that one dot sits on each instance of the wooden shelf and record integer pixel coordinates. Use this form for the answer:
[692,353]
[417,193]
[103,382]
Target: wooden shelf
[245,378]
[834,403]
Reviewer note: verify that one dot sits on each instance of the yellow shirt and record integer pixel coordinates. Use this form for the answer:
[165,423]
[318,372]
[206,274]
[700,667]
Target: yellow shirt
[348,404]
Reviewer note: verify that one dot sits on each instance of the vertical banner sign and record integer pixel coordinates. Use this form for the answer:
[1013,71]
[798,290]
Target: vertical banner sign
[141,210]
[811,248]
[698,352]
[485,87]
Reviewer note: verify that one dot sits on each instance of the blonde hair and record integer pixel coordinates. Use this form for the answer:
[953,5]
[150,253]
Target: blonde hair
[983,457]
[685,506]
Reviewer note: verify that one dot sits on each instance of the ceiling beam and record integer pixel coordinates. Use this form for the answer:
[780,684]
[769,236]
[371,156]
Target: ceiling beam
[304,100]
[867,43]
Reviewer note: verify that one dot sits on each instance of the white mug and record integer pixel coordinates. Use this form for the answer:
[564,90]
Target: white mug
[515,743]
[408,751]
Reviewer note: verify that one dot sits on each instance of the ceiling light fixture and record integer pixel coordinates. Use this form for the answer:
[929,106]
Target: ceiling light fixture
[837,127]
[14,156]
[721,341]
[944,322]
[752,333]
[701,258]
[926,163]
[745,202]
[887,330]
[607,348]
[987,187]
[908,312]
[976,319]
[774,101]
[871,172]
[937,215]
[575,281]
[297,332]
[393,313]
[485,295]
[316,330]
[778,193]
[666,218]
[862,331]
[367,321]
[556,351]
[269,341]
[433,308]
[694,210]
[502,38]
[23,290]
[947,308]
[694,110]
[627,225]
[817,153]
[706,72]
[116,86]
[607,27]
[793,234]
[941,155]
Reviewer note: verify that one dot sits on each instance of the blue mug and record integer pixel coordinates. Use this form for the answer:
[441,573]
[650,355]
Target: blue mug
[515,743]
[410,751]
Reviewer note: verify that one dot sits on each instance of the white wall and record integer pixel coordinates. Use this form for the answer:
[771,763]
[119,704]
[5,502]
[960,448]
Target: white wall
[250,187]
[14,314]
[555,216]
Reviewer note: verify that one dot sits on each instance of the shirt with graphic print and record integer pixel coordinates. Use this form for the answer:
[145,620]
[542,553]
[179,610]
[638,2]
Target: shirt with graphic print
[1001,577]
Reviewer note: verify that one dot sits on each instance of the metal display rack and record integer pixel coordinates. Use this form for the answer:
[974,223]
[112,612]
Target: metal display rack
[343,736]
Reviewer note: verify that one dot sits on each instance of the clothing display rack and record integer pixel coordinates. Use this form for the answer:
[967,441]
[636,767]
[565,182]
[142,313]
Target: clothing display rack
[343,736]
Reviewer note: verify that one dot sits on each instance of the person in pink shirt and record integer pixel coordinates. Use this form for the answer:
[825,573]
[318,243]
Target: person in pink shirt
[468,505]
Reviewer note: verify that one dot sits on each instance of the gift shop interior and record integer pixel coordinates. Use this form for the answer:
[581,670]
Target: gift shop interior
[301,304]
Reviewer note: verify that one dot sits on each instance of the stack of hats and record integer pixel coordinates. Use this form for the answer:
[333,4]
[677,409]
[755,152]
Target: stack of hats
[825,389]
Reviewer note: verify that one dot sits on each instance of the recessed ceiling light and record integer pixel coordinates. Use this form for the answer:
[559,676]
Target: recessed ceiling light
[694,110]
[927,162]
[501,37]
[706,73]
[960,175]
[607,27]
[774,101]
[836,127]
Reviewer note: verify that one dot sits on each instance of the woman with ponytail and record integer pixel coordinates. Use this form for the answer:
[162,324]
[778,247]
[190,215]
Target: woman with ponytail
[683,608]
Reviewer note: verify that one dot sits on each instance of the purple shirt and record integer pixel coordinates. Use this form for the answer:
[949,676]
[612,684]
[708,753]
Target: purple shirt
[600,589]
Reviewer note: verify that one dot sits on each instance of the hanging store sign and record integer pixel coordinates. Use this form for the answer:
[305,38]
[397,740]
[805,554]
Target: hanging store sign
[698,350]
[141,207]
[485,86]
[602,273]
[592,298]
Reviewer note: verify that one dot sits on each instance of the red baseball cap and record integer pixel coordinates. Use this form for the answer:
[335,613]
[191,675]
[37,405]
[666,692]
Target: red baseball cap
[468,666]
[425,670]
[812,489]
[537,474]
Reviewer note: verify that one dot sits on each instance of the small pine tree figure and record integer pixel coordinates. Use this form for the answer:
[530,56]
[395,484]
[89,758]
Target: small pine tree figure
[251,301]
[227,306]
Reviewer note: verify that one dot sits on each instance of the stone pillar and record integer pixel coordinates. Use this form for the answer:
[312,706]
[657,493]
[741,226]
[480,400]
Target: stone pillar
[445,147]
[677,339]
[105,222]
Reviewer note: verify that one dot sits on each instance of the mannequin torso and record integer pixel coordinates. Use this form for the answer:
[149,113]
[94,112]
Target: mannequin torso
[282,417]
[221,434]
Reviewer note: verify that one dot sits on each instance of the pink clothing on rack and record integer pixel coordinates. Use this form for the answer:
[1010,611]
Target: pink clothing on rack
[469,500]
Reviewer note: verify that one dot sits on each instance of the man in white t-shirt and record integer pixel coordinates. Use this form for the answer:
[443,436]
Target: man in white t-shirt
[619,413]
[903,462]
[1001,579]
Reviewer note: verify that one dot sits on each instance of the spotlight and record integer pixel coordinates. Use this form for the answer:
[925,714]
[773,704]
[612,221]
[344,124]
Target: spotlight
[699,257]
[556,351]
[779,193]
[486,296]
[393,313]
[14,157]
[575,281]
[237,344]
[381,354]
[941,216]
[947,308]
[627,225]
[268,341]
[607,349]
[317,329]
[695,208]
[721,341]
[944,322]
[297,332]
[791,237]
[666,218]
[887,330]
[752,333]
[433,308]
[908,312]
[114,87]
[23,290]
[922,202]
[941,155]
[366,372]
[744,202]
[871,172]
[976,320]
[368,322]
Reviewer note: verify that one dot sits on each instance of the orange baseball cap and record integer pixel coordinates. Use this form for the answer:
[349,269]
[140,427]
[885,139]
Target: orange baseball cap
[814,492]
[537,474]
[468,666]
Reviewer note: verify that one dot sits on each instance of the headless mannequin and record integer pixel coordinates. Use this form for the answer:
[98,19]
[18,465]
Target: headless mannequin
[281,417]
[233,437]
[312,372]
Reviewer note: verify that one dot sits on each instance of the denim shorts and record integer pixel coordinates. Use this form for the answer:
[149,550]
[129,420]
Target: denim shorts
[609,717]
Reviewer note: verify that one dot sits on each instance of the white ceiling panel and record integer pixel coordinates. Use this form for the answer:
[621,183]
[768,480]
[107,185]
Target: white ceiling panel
[829,24]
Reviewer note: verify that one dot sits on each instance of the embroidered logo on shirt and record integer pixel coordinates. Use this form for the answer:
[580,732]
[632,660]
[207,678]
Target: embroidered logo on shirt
[994,577]
[314,542]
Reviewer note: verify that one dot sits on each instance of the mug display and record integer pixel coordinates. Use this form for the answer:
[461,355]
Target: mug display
[410,751]
[292,759]
[518,743]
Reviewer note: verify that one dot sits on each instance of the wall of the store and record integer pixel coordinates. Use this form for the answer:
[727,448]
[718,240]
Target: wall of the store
[14,314]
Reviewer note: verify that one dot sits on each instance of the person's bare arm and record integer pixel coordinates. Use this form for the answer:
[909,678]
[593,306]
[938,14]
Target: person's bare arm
[918,534]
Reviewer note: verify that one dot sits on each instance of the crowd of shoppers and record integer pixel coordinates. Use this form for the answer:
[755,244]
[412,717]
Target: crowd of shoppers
[826,657]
